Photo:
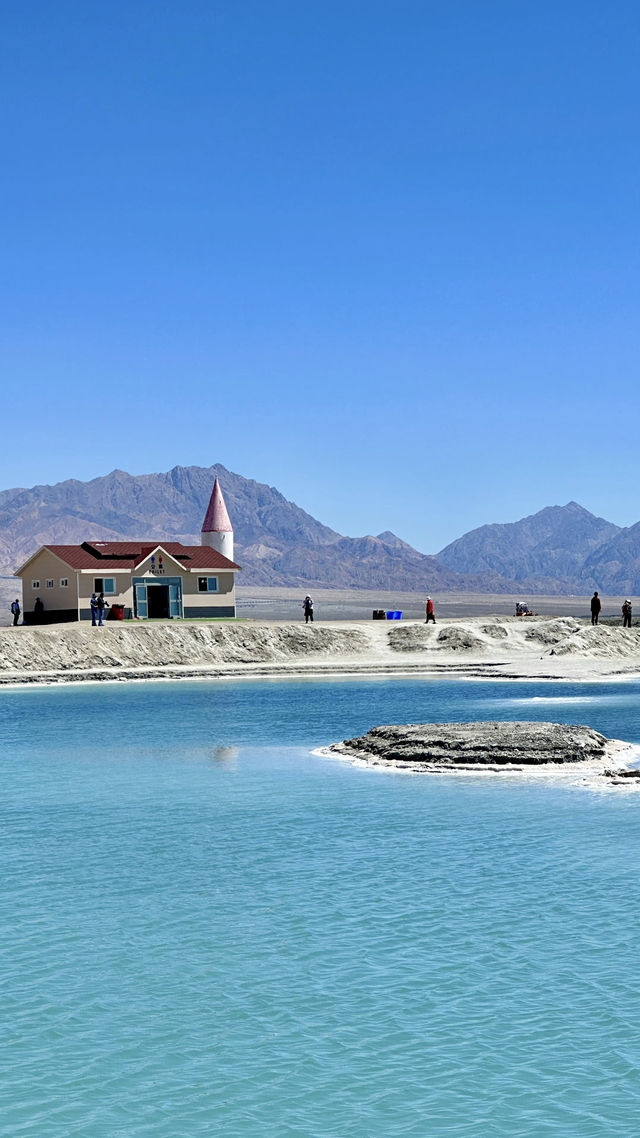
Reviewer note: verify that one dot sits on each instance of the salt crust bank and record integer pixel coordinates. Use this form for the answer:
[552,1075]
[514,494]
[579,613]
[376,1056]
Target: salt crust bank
[145,579]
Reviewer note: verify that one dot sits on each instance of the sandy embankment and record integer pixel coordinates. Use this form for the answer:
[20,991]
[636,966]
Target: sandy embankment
[479,647]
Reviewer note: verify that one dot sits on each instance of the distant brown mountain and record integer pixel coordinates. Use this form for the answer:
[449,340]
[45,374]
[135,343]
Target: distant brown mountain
[561,549]
[276,542]
[616,563]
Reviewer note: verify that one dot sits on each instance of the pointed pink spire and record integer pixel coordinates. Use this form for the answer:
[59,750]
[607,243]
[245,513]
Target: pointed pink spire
[217,519]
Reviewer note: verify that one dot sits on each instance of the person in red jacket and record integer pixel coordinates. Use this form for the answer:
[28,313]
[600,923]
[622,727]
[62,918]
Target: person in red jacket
[596,605]
[430,612]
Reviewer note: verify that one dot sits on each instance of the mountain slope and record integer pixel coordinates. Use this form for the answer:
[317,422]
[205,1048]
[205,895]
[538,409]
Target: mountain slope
[277,542]
[559,549]
[550,546]
[167,506]
[615,565]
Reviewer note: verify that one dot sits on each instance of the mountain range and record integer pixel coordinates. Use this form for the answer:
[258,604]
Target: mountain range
[560,549]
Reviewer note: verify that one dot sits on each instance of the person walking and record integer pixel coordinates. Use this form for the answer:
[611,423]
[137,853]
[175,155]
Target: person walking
[102,605]
[430,611]
[626,614]
[15,609]
[596,605]
[307,605]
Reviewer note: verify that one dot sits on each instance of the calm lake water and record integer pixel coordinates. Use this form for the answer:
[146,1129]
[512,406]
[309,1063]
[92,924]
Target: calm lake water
[207,930]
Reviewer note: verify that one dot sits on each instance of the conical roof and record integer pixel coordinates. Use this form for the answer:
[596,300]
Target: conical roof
[217,519]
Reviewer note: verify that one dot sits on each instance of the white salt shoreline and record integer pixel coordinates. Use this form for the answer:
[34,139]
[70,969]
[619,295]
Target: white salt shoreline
[481,648]
[589,775]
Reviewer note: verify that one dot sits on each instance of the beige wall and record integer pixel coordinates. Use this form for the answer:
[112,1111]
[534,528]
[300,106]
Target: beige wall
[87,577]
[191,598]
[77,594]
[171,568]
[225,596]
[46,566]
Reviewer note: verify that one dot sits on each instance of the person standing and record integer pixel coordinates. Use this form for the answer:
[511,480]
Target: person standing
[307,605]
[596,605]
[102,605]
[15,609]
[38,610]
[430,611]
[94,609]
[626,614]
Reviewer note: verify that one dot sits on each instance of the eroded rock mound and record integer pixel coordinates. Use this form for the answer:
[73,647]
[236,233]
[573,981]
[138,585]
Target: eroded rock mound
[599,641]
[459,639]
[76,647]
[495,631]
[551,631]
[427,637]
[412,638]
[439,746]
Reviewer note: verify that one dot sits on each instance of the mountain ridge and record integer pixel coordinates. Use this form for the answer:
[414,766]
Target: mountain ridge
[556,543]
[276,541]
[556,550]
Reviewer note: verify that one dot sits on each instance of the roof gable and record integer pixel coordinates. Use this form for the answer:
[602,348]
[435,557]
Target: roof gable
[156,555]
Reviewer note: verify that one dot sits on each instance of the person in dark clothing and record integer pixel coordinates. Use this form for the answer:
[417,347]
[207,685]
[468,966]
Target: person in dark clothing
[626,614]
[102,605]
[38,610]
[15,609]
[94,609]
[596,605]
[307,605]
[430,611]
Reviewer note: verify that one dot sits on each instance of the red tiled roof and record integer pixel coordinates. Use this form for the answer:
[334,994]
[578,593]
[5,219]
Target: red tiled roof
[77,557]
[202,557]
[129,554]
[114,548]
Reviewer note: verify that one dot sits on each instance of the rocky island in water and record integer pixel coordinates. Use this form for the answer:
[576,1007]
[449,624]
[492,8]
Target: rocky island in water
[492,746]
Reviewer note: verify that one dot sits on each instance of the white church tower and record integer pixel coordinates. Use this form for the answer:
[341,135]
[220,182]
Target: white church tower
[217,531]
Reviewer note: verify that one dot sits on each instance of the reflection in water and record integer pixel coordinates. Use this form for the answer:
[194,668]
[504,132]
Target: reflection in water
[222,754]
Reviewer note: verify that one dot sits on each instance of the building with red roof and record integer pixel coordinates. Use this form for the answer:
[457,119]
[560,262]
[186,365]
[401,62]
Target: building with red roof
[140,578]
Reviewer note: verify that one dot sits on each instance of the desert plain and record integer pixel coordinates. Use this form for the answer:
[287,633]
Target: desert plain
[358,604]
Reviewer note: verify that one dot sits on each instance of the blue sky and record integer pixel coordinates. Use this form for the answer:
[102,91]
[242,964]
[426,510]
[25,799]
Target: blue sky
[381,256]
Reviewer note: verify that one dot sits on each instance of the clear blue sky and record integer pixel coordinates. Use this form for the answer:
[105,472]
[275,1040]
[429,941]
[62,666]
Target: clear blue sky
[383,256]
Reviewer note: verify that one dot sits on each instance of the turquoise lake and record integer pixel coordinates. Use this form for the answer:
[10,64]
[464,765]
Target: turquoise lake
[205,929]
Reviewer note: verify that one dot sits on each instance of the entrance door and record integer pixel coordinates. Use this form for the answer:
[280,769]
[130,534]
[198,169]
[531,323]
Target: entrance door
[141,605]
[158,601]
[175,599]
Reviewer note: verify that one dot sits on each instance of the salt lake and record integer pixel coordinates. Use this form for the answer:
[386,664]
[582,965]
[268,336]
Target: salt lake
[207,928]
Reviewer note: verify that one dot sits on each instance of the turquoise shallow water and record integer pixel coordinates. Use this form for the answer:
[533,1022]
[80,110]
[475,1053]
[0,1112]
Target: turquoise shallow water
[205,929]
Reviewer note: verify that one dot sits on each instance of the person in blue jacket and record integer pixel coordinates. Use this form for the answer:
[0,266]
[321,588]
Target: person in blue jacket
[102,605]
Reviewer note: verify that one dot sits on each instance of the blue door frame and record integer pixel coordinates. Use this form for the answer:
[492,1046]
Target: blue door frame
[141,585]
